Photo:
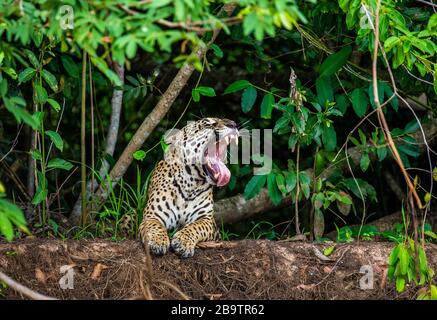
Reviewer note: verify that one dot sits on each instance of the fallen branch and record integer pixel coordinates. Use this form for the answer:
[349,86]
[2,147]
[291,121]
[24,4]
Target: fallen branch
[22,289]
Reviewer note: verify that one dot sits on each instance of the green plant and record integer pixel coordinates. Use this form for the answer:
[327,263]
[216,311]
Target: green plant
[408,263]
[226,235]
[122,213]
[10,216]
[262,230]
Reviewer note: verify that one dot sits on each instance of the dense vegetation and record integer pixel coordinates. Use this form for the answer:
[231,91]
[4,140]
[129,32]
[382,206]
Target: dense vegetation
[308,70]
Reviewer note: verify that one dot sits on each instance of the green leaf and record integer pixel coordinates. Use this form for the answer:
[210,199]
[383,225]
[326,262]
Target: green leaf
[359,102]
[206,91]
[54,104]
[50,79]
[394,256]
[335,61]
[280,181]
[328,251]
[41,95]
[267,106]
[36,155]
[56,139]
[342,103]
[290,181]
[431,234]
[324,90]
[423,263]
[248,99]
[381,153]
[6,226]
[237,86]
[391,42]
[433,292]
[14,214]
[139,155]
[217,51]
[70,66]
[364,161]
[103,67]
[41,190]
[272,187]
[32,58]
[59,164]
[432,22]
[131,49]
[404,259]
[400,284]
[20,113]
[254,186]
[281,123]
[344,204]
[329,138]
[318,200]
[26,75]
[196,95]
[366,189]
[11,72]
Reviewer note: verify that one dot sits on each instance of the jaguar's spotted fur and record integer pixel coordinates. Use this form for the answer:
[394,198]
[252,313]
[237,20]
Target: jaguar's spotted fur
[181,187]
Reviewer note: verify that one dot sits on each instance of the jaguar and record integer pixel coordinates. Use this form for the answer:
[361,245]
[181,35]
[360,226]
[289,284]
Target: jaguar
[180,191]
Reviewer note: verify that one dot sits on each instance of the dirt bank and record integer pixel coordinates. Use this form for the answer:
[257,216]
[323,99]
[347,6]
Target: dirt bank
[246,269]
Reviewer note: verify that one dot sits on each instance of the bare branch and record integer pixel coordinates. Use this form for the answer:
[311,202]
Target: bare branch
[22,289]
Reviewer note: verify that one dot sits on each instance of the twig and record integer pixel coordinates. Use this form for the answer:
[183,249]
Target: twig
[333,268]
[428,3]
[92,124]
[83,141]
[14,143]
[168,284]
[145,289]
[22,289]
[417,78]
[381,115]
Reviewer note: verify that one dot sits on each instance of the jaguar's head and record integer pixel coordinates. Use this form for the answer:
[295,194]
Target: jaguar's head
[204,143]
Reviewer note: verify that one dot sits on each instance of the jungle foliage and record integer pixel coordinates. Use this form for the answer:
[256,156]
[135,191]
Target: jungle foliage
[301,68]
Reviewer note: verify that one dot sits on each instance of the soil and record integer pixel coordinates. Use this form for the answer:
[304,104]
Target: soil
[248,269]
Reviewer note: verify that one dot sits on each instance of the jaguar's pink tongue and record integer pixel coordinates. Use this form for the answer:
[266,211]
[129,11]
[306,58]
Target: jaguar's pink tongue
[224,174]
[219,170]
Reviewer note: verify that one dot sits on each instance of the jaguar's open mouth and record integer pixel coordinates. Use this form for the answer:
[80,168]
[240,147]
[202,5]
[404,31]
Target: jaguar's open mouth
[215,156]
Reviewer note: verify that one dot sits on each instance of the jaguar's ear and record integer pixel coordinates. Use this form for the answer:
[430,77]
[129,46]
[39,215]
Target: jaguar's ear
[172,136]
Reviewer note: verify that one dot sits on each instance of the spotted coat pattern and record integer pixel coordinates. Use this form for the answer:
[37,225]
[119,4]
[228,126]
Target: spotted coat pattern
[180,193]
